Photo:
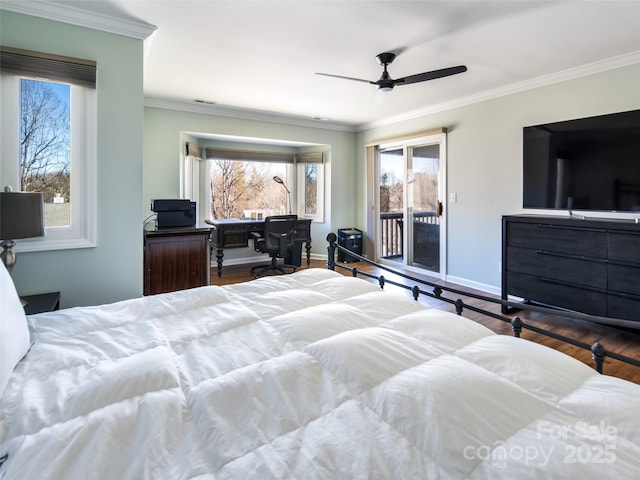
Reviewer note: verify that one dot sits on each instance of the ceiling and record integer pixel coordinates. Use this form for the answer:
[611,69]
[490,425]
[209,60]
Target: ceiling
[262,56]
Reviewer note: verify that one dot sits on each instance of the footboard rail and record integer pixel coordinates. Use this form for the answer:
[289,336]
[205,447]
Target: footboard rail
[598,352]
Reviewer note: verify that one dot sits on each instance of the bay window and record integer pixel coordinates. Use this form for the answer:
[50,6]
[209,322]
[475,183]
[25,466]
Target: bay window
[233,183]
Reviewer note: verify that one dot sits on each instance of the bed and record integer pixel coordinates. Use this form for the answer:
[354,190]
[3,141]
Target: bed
[313,375]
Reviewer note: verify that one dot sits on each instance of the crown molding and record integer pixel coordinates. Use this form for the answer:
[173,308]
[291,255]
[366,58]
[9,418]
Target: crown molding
[246,114]
[82,18]
[613,63]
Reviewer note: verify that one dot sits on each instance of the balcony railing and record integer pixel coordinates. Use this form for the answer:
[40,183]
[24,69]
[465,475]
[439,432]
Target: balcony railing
[392,226]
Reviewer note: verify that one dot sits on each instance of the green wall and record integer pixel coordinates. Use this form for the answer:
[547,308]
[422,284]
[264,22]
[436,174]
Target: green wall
[163,147]
[485,160]
[113,269]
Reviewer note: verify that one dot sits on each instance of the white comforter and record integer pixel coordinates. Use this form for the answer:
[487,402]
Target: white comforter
[310,375]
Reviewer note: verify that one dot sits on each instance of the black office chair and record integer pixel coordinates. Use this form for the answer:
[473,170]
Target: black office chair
[276,240]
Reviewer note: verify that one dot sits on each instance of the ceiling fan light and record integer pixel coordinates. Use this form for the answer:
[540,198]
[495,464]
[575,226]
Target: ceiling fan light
[381,94]
[384,88]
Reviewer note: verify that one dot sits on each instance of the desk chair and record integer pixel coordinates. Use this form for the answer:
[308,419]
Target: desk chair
[276,240]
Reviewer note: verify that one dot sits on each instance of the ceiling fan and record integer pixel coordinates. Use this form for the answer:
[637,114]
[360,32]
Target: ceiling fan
[385,83]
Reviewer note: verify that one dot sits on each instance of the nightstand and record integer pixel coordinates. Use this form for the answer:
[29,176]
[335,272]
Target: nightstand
[42,302]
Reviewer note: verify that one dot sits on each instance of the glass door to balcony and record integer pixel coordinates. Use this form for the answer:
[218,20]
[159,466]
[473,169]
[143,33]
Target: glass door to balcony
[410,214]
[391,187]
[424,207]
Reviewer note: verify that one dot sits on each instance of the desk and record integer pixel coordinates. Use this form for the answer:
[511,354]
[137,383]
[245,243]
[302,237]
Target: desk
[234,233]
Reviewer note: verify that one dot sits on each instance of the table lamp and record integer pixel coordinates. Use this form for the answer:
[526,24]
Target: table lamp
[21,216]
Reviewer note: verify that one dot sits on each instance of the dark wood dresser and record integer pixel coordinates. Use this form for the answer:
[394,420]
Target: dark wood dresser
[176,259]
[590,266]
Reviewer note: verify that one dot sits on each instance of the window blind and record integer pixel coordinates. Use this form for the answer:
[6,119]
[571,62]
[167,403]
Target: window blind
[48,66]
[258,156]
[248,155]
[193,150]
[310,157]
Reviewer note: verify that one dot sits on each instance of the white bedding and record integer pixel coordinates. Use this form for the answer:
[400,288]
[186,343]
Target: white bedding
[309,375]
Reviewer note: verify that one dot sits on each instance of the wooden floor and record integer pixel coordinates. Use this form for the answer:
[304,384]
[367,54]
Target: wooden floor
[621,341]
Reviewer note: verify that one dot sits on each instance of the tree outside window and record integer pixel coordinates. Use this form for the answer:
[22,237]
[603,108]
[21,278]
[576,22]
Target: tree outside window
[238,188]
[45,164]
[311,188]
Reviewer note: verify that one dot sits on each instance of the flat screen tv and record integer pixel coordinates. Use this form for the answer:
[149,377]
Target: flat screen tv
[588,164]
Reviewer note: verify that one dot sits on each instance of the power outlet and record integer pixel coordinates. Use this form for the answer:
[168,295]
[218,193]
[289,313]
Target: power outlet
[453,197]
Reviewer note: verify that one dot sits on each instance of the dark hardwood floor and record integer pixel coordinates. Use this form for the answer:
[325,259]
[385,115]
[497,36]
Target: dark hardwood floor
[621,341]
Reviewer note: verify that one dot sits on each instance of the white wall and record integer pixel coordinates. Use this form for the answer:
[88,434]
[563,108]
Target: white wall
[162,149]
[485,159]
[113,269]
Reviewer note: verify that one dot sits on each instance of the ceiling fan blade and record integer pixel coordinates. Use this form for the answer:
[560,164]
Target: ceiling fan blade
[345,78]
[432,75]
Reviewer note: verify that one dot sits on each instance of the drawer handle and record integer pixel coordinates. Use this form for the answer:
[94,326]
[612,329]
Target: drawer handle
[568,284]
[624,295]
[568,255]
[570,228]
[623,263]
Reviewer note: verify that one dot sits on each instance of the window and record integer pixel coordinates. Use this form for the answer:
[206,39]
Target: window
[243,183]
[310,188]
[247,188]
[49,143]
[310,168]
[45,160]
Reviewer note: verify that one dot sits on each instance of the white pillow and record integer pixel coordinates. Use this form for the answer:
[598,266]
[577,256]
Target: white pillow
[14,332]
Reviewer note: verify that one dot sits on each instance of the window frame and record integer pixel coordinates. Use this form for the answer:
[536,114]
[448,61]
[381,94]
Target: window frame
[317,217]
[82,232]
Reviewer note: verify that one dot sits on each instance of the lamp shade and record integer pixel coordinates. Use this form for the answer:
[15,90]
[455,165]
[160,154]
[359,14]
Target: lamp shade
[21,215]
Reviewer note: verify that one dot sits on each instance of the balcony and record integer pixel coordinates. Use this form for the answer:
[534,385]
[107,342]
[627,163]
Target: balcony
[392,226]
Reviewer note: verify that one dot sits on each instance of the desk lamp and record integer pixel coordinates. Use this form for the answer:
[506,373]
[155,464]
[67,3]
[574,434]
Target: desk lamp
[21,216]
[277,179]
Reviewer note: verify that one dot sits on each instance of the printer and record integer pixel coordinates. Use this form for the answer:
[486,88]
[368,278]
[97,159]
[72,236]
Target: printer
[172,213]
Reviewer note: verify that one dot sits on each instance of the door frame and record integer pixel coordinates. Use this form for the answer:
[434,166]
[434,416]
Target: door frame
[437,136]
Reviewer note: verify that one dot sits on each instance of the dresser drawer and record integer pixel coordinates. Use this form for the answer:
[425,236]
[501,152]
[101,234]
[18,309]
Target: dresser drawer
[574,241]
[626,307]
[561,267]
[624,247]
[624,278]
[551,292]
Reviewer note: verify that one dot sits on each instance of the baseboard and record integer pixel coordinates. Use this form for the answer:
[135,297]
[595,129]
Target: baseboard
[483,287]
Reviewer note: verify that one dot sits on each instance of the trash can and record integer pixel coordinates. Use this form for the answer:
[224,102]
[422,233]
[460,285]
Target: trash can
[351,239]
[294,255]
